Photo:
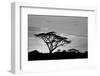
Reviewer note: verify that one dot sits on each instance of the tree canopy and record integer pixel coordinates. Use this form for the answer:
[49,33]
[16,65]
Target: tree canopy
[53,40]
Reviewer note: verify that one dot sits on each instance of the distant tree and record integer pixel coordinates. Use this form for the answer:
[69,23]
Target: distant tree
[52,40]
[73,50]
[59,50]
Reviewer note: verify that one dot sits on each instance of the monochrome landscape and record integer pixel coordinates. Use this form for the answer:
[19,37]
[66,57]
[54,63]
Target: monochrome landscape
[57,37]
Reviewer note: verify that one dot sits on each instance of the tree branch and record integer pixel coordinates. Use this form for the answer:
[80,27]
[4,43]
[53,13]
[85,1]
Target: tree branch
[52,40]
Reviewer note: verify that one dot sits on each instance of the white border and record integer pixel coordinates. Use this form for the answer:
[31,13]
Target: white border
[19,38]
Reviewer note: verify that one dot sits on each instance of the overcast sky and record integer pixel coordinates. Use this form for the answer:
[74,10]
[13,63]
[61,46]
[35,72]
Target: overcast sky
[67,25]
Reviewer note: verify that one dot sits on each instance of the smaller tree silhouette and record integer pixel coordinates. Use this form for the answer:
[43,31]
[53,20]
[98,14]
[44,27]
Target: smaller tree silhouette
[73,50]
[52,40]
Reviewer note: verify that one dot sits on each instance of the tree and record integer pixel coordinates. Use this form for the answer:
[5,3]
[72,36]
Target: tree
[73,50]
[52,40]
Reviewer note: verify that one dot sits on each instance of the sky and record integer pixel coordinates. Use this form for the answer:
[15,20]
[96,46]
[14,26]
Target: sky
[75,28]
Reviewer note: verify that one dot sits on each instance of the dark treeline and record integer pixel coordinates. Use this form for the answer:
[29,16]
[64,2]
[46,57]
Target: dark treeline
[70,54]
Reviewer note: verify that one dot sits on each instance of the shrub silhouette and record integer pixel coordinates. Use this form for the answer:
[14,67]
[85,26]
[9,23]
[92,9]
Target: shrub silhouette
[53,40]
[35,51]
[64,51]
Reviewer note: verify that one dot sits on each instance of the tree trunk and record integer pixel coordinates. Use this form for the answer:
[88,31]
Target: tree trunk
[51,51]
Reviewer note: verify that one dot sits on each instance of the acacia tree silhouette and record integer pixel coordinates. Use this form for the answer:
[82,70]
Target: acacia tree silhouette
[52,40]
